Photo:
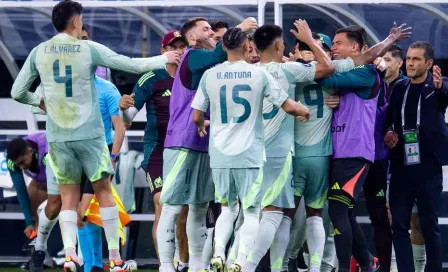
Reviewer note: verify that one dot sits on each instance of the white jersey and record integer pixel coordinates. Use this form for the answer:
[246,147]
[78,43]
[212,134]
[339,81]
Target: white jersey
[235,92]
[278,125]
[313,138]
[66,67]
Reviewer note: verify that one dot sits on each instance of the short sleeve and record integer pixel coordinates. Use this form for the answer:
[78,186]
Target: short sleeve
[302,72]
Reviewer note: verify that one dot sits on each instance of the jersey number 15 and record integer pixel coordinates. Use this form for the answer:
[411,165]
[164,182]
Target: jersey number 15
[67,79]
[237,99]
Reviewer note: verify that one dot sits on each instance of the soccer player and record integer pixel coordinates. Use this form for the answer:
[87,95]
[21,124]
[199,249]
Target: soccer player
[279,136]
[28,156]
[251,55]
[236,142]
[75,133]
[219,28]
[353,143]
[186,169]
[154,90]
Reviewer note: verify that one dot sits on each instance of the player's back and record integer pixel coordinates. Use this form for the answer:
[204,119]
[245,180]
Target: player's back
[236,91]
[65,66]
[313,138]
[278,125]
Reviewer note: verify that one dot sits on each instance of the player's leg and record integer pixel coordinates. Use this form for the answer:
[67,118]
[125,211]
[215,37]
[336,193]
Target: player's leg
[248,186]
[233,251]
[375,189]
[158,211]
[201,192]
[277,194]
[429,190]
[47,220]
[94,156]
[182,238]
[37,194]
[67,170]
[225,195]
[297,234]
[315,198]
[212,216]
[348,176]
[401,200]
[418,242]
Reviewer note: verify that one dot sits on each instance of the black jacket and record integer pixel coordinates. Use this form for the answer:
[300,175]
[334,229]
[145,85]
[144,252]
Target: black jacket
[433,128]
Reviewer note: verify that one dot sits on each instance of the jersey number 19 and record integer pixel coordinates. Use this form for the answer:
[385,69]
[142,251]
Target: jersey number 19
[318,101]
[67,79]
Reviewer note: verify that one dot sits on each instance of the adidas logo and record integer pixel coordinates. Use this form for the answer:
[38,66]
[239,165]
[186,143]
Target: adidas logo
[167,93]
[380,193]
[336,187]
[336,232]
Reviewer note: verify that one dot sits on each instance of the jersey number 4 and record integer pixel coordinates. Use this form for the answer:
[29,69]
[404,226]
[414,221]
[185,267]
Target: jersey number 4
[237,99]
[67,79]
[318,101]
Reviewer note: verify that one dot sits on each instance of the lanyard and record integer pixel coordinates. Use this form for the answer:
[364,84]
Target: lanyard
[404,104]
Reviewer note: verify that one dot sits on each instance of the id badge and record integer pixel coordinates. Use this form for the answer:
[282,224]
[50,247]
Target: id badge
[411,147]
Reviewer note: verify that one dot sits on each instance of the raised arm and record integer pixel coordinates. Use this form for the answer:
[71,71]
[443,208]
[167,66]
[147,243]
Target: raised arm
[324,65]
[103,56]
[378,50]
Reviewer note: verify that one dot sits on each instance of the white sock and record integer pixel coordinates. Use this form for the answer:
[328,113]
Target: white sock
[224,228]
[44,231]
[299,227]
[329,259]
[306,259]
[393,261]
[419,257]
[280,244]
[197,234]
[166,235]
[315,237]
[69,230]
[207,253]
[269,223]
[80,257]
[233,253]
[176,245]
[109,216]
[248,231]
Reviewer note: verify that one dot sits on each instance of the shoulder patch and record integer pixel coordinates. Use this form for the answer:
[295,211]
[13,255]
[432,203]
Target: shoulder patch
[11,165]
[145,77]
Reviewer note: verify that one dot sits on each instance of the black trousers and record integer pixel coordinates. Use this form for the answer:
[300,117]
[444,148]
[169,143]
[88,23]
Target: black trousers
[422,183]
[375,189]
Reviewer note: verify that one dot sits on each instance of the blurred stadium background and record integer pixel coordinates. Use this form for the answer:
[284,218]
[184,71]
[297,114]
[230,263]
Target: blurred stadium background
[135,28]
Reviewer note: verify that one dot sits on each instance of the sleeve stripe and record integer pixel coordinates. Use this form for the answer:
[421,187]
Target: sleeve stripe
[144,78]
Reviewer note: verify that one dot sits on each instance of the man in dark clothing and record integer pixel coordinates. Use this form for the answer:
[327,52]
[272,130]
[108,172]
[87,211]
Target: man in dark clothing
[416,118]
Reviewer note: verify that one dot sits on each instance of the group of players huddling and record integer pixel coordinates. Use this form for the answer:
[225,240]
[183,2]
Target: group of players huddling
[221,138]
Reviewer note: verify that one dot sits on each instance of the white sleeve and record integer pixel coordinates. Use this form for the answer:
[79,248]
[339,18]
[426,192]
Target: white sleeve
[21,88]
[36,110]
[129,114]
[103,56]
[302,72]
[344,65]
[201,100]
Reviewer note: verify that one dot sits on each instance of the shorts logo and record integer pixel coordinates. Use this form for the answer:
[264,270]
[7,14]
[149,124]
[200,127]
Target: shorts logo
[336,232]
[158,182]
[380,193]
[336,187]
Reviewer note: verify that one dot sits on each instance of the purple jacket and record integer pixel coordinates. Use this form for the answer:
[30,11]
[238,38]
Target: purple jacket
[40,139]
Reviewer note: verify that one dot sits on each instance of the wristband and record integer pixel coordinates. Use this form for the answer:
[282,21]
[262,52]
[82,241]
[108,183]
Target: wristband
[113,156]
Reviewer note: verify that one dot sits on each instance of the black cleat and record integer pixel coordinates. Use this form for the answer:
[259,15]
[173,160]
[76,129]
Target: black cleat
[37,260]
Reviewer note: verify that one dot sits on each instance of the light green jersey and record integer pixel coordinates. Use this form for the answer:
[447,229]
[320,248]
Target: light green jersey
[313,138]
[66,67]
[235,92]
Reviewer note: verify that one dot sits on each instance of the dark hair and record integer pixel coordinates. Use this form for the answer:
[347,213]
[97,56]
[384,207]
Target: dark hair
[234,38]
[191,23]
[217,25]
[63,12]
[16,148]
[396,51]
[355,34]
[266,35]
[429,51]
